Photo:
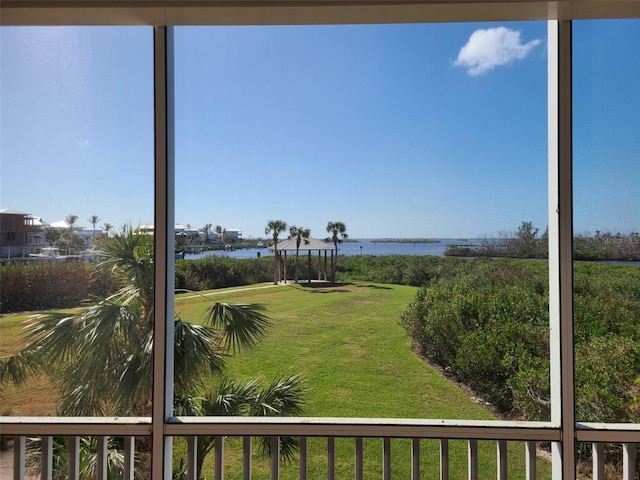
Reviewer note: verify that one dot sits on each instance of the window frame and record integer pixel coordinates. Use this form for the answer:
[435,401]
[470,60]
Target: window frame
[163,15]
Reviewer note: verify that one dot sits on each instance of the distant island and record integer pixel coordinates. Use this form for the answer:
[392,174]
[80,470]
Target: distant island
[405,240]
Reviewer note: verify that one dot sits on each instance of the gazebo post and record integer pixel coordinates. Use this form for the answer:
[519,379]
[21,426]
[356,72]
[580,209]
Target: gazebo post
[285,266]
[324,270]
[309,267]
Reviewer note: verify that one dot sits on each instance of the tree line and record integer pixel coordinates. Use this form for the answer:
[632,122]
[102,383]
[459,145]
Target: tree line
[528,242]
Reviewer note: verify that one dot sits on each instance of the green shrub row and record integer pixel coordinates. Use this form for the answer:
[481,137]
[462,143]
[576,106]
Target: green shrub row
[488,324]
[32,286]
[218,272]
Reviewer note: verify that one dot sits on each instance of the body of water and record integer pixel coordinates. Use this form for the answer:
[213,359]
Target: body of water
[358,247]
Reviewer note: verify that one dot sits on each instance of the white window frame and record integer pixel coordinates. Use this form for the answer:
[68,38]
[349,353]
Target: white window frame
[166,14]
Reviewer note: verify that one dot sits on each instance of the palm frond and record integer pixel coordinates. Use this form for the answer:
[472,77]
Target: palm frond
[50,338]
[82,400]
[284,397]
[230,398]
[16,369]
[196,353]
[241,325]
[288,447]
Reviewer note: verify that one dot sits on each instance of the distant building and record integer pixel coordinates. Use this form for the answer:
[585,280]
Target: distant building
[20,233]
[36,235]
[232,235]
[183,233]
[88,235]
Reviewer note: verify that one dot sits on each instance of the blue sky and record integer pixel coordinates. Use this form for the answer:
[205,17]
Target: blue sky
[396,130]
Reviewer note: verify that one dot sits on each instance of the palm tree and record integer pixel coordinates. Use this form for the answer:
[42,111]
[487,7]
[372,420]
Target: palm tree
[207,230]
[108,347]
[338,231]
[71,220]
[68,240]
[282,397]
[107,227]
[299,233]
[276,227]
[93,220]
[102,358]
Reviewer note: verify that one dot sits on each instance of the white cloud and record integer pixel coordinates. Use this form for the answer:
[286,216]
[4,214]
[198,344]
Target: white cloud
[491,48]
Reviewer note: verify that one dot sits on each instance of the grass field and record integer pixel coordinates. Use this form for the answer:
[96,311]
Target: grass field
[347,343]
[357,361]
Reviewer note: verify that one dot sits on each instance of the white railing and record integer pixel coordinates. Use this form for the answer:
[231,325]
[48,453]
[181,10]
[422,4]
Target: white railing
[628,435]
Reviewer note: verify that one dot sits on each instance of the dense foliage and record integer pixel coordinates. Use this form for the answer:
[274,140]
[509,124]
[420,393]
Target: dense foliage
[218,272]
[30,286]
[488,324]
[528,242]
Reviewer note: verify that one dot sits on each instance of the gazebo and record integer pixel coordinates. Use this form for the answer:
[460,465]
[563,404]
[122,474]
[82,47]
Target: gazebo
[307,245]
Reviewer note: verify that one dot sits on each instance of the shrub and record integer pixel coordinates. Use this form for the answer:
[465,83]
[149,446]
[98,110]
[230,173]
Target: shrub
[489,324]
[218,272]
[41,286]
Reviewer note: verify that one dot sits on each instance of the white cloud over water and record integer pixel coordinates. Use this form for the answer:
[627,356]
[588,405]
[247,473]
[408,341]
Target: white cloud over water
[489,48]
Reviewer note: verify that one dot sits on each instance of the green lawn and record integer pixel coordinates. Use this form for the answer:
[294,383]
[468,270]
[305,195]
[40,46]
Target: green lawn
[357,360]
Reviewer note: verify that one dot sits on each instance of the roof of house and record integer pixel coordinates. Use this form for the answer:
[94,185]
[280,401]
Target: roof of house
[308,244]
[64,224]
[9,211]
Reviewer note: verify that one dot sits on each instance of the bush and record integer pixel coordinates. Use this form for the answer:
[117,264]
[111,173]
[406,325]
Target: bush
[489,324]
[218,272]
[40,286]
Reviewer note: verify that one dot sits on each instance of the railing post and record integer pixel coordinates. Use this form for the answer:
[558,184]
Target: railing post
[101,458]
[444,459]
[502,459]
[303,458]
[530,460]
[246,458]
[386,458]
[331,458]
[129,457]
[415,459]
[629,461]
[19,457]
[359,458]
[473,459]
[219,458]
[275,458]
[598,461]
[192,458]
[74,457]
[46,457]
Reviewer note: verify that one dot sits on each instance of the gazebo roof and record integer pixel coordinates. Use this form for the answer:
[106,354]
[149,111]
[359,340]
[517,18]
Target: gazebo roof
[306,245]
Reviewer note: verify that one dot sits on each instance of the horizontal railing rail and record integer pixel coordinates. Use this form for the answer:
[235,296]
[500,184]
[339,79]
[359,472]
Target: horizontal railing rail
[363,427]
[65,426]
[190,428]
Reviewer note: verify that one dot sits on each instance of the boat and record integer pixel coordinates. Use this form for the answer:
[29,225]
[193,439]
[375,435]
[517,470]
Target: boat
[51,254]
